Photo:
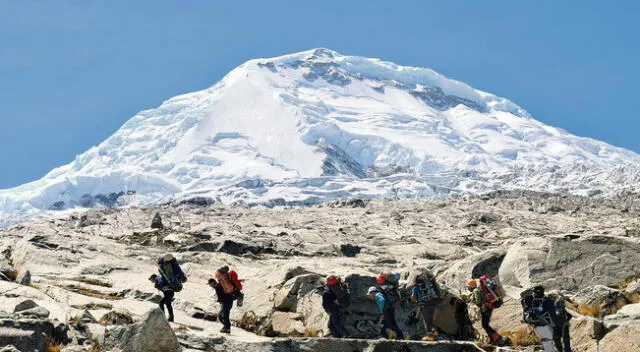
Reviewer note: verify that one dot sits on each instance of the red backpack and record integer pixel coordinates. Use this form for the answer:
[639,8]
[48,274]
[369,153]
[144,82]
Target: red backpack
[491,289]
[229,281]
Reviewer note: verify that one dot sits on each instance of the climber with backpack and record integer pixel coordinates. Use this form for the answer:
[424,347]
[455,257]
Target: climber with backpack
[561,337]
[167,293]
[539,311]
[487,295]
[170,270]
[387,296]
[426,293]
[336,299]
[228,289]
[169,282]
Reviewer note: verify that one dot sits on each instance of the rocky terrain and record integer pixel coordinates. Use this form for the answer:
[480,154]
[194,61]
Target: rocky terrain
[80,283]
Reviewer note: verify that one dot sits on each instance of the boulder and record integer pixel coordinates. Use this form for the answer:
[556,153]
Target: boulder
[570,262]
[35,312]
[286,298]
[488,262]
[26,334]
[622,339]
[627,315]
[152,330]
[24,278]
[585,333]
[156,222]
[9,348]
[598,301]
[7,273]
[287,324]
[24,305]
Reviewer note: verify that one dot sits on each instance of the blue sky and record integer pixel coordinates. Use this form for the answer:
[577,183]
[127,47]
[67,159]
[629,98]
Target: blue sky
[72,72]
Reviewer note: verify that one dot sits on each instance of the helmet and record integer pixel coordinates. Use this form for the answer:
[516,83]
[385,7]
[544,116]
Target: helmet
[332,280]
[472,283]
[372,289]
[381,279]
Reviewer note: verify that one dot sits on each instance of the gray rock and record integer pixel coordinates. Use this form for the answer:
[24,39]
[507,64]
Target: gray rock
[570,262]
[152,330]
[37,312]
[156,223]
[287,296]
[7,273]
[627,315]
[488,262]
[24,305]
[9,348]
[24,278]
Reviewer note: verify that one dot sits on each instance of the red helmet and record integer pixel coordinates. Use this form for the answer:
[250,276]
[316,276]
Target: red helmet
[381,279]
[332,280]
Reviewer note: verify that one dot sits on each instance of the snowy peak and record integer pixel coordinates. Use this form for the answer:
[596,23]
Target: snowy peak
[317,125]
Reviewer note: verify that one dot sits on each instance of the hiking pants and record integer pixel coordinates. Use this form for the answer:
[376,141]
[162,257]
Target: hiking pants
[389,323]
[166,301]
[336,325]
[486,319]
[427,311]
[561,338]
[225,313]
[545,334]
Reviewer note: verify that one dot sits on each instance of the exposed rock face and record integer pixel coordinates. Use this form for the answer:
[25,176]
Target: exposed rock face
[622,339]
[570,262]
[152,330]
[93,278]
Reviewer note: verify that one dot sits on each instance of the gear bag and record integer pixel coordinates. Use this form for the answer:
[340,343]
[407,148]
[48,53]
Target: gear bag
[428,287]
[172,274]
[533,309]
[492,291]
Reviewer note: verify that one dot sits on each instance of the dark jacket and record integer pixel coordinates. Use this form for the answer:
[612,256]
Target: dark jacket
[329,300]
[161,284]
[223,297]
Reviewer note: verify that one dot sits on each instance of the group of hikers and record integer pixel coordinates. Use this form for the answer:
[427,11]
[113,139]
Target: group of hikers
[225,283]
[546,315]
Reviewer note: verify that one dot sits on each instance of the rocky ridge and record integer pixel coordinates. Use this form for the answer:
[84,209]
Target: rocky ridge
[81,281]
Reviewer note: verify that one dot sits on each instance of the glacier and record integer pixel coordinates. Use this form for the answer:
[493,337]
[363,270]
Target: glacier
[314,126]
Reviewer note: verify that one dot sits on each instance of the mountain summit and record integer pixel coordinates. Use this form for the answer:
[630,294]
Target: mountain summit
[317,125]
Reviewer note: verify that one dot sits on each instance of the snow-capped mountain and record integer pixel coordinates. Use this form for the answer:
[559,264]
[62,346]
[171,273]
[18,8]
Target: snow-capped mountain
[317,125]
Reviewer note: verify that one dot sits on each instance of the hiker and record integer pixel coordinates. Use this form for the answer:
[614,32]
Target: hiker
[228,288]
[171,272]
[540,312]
[167,293]
[561,337]
[426,293]
[487,304]
[336,299]
[387,296]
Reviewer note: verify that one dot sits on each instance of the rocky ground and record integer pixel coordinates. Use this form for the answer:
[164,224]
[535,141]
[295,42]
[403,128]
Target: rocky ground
[80,283]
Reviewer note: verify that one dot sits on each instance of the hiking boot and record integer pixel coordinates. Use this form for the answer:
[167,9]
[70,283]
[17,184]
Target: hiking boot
[225,331]
[431,336]
[391,335]
[170,318]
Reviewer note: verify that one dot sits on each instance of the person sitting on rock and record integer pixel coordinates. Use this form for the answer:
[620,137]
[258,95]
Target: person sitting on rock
[426,293]
[335,300]
[228,288]
[161,284]
[540,312]
[479,298]
[387,305]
